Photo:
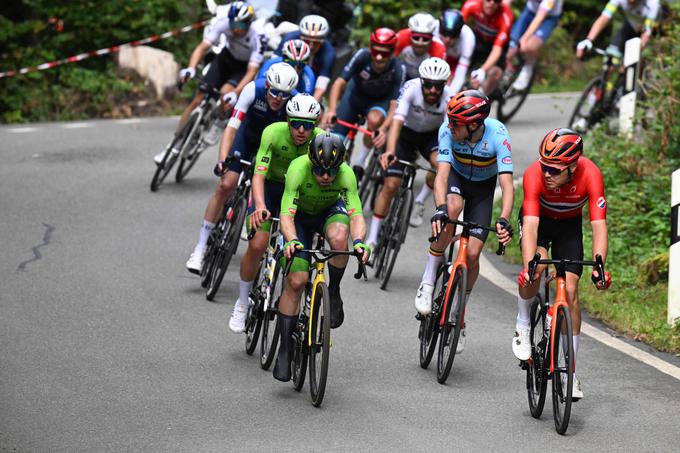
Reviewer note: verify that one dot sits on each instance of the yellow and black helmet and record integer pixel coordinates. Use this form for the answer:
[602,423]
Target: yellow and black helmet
[327,151]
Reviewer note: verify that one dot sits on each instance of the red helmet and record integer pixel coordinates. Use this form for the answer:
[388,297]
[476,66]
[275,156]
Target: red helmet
[468,107]
[384,37]
[560,148]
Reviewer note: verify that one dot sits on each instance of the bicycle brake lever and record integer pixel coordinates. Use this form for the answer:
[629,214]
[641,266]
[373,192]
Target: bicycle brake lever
[501,249]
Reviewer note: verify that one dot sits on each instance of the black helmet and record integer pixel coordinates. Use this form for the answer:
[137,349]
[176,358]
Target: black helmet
[327,151]
[451,23]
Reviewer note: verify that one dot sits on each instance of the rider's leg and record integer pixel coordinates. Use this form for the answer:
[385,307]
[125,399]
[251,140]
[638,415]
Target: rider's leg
[374,118]
[382,206]
[287,317]
[187,111]
[493,78]
[336,231]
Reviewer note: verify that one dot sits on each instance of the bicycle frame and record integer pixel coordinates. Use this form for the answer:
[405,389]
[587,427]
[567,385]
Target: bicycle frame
[461,260]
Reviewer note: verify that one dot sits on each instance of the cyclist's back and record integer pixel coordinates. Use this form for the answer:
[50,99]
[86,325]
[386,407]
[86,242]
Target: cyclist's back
[369,83]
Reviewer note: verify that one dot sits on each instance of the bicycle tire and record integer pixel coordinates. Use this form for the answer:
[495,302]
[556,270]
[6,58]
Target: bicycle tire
[320,332]
[270,328]
[505,115]
[536,366]
[228,244]
[450,332]
[564,364]
[300,355]
[429,327]
[349,147]
[366,184]
[192,142]
[403,210]
[383,244]
[210,253]
[591,119]
[253,326]
[163,169]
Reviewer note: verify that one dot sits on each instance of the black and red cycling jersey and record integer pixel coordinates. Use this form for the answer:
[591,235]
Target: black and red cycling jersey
[565,202]
[489,29]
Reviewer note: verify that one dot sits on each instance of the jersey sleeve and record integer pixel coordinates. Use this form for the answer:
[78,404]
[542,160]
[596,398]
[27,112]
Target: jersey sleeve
[289,201]
[216,29]
[262,73]
[611,7]
[437,49]
[445,153]
[307,81]
[532,184]
[349,192]
[327,59]
[597,203]
[355,64]
[405,99]
[256,56]
[264,152]
[403,40]
[652,16]
[504,25]
[398,80]
[503,150]
[245,100]
[467,9]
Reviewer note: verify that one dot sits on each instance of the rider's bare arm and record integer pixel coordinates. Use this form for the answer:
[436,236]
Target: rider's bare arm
[600,239]
[493,58]
[250,74]
[441,183]
[508,194]
[198,53]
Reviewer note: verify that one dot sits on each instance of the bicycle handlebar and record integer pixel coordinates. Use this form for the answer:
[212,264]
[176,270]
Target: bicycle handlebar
[598,264]
[471,225]
[324,255]
[356,127]
[413,165]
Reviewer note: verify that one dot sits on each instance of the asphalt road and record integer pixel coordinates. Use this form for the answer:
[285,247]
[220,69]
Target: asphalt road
[108,344]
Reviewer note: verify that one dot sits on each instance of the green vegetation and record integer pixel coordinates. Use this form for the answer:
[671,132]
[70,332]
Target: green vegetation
[637,176]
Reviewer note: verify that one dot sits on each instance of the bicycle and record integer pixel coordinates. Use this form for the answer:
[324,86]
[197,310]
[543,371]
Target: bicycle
[265,296]
[447,318]
[224,238]
[394,228]
[312,334]
[189,142]
[600,98]
[509,99]
[551,325]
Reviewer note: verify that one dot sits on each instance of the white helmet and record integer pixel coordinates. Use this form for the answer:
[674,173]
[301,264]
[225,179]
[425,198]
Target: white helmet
[434,69]
[304,106]
[241,12]
[314,26]
[422,23]
[296,50]
[282,76]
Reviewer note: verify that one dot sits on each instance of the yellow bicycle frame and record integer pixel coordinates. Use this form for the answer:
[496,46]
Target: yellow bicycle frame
[319,267]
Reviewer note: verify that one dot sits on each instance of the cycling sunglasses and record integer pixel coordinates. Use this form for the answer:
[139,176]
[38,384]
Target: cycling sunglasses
[429,84]
[239,25]
[297,123]
[293,63]
[279,94]
[318,171]
[552,171]
[383,53]
[421,39]
[494,1]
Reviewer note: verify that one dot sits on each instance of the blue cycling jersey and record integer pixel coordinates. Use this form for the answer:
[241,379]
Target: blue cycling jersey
[322,62]
[372,84]
[307,78]
[259,114]
[489,156]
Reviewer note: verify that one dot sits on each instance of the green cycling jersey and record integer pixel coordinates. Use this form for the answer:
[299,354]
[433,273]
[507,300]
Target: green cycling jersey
[303,192]
[277,150]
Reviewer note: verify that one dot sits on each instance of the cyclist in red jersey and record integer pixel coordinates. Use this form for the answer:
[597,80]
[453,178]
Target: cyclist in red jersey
[491,21]
[417,43]
[556,187]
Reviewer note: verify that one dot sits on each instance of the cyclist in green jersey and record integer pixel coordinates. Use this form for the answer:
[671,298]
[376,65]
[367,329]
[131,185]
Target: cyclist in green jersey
[320,196]
[281,143]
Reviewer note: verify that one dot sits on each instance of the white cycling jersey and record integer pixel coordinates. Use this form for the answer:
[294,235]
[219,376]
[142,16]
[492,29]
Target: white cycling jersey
[553,7]
[246,48]
[641,15]
[459,57]
[418,115]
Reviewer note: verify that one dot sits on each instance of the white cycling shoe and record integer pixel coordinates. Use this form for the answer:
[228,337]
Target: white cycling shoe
[576,391]
[417,217]
[195,262]
[237,322]
[158,158]
[423,299]
[523,78]
[521,344]
[460,347]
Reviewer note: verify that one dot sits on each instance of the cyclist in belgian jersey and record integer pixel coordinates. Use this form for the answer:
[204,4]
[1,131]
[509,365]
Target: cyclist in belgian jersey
[459,40]
[531,30]
[421,108]
[640,18]
[261,103]
[473,151]
[417,42]
[556,187]
[320,196]
[281,143]
[372,79]
[296,53]
[314,30]
[491,21]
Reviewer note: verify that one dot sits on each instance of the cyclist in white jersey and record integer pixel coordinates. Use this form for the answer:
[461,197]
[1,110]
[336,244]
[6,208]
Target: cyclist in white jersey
[459,40]
[640,19]
[421,108]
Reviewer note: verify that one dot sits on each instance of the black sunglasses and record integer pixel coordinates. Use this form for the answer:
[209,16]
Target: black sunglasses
[552,171]
[318,171]
[429,84]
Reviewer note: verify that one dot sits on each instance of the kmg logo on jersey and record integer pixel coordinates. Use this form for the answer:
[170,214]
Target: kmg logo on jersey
[601,203]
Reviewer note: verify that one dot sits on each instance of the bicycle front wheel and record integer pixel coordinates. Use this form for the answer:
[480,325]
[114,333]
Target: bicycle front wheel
[398,236]
[449,333]
[163,169]
[587,111]
[429,324]
[300,354]
[511,99]
[320,333]
[563,375]
[536,365]
[189,153]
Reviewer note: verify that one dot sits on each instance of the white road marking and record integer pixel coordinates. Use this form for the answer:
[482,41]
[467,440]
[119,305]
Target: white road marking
[129,121]
[21,130]
[488,271]
[76,125]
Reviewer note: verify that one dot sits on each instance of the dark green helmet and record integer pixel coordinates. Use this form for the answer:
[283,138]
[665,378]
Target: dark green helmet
[327,151]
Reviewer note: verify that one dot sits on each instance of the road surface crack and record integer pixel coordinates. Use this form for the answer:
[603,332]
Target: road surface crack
[36,250]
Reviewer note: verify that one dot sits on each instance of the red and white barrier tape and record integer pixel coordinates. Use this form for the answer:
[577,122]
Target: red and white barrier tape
[99,52]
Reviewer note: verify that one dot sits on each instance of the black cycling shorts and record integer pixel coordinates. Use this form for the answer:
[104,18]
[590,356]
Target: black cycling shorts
[481,53]
[409,145]
[478,196]
[223,69]
[625,33]
[564,235]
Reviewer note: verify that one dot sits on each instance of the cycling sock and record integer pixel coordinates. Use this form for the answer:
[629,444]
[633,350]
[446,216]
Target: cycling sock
[376,223]
[244,292]
[423,194]
[523,313]
[206,229]
[335,274]
[359,154]
[576,340]
[434,259]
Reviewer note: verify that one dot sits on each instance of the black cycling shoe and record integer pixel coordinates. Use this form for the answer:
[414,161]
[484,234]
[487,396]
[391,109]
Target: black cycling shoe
[282,366]
[337,314]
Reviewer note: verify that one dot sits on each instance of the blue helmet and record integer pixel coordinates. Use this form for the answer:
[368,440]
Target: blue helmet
[451,23]
[241,12]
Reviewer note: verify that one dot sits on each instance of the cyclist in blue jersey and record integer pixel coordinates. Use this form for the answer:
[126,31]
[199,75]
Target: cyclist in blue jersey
[372,78]
[261,103]
[314,31]
[473,149]
[296,53]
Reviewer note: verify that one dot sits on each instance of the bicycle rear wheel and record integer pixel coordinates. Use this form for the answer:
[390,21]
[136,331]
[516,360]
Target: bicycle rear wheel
[398,236]
[536,365]
[270,328]
[511,100]
[429,324]
[189,152]
[453,319]
[588,108]
[563,376]
[163,169]
[320,332]
[300,354]
[367,183]
[227,244]
[254,325]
